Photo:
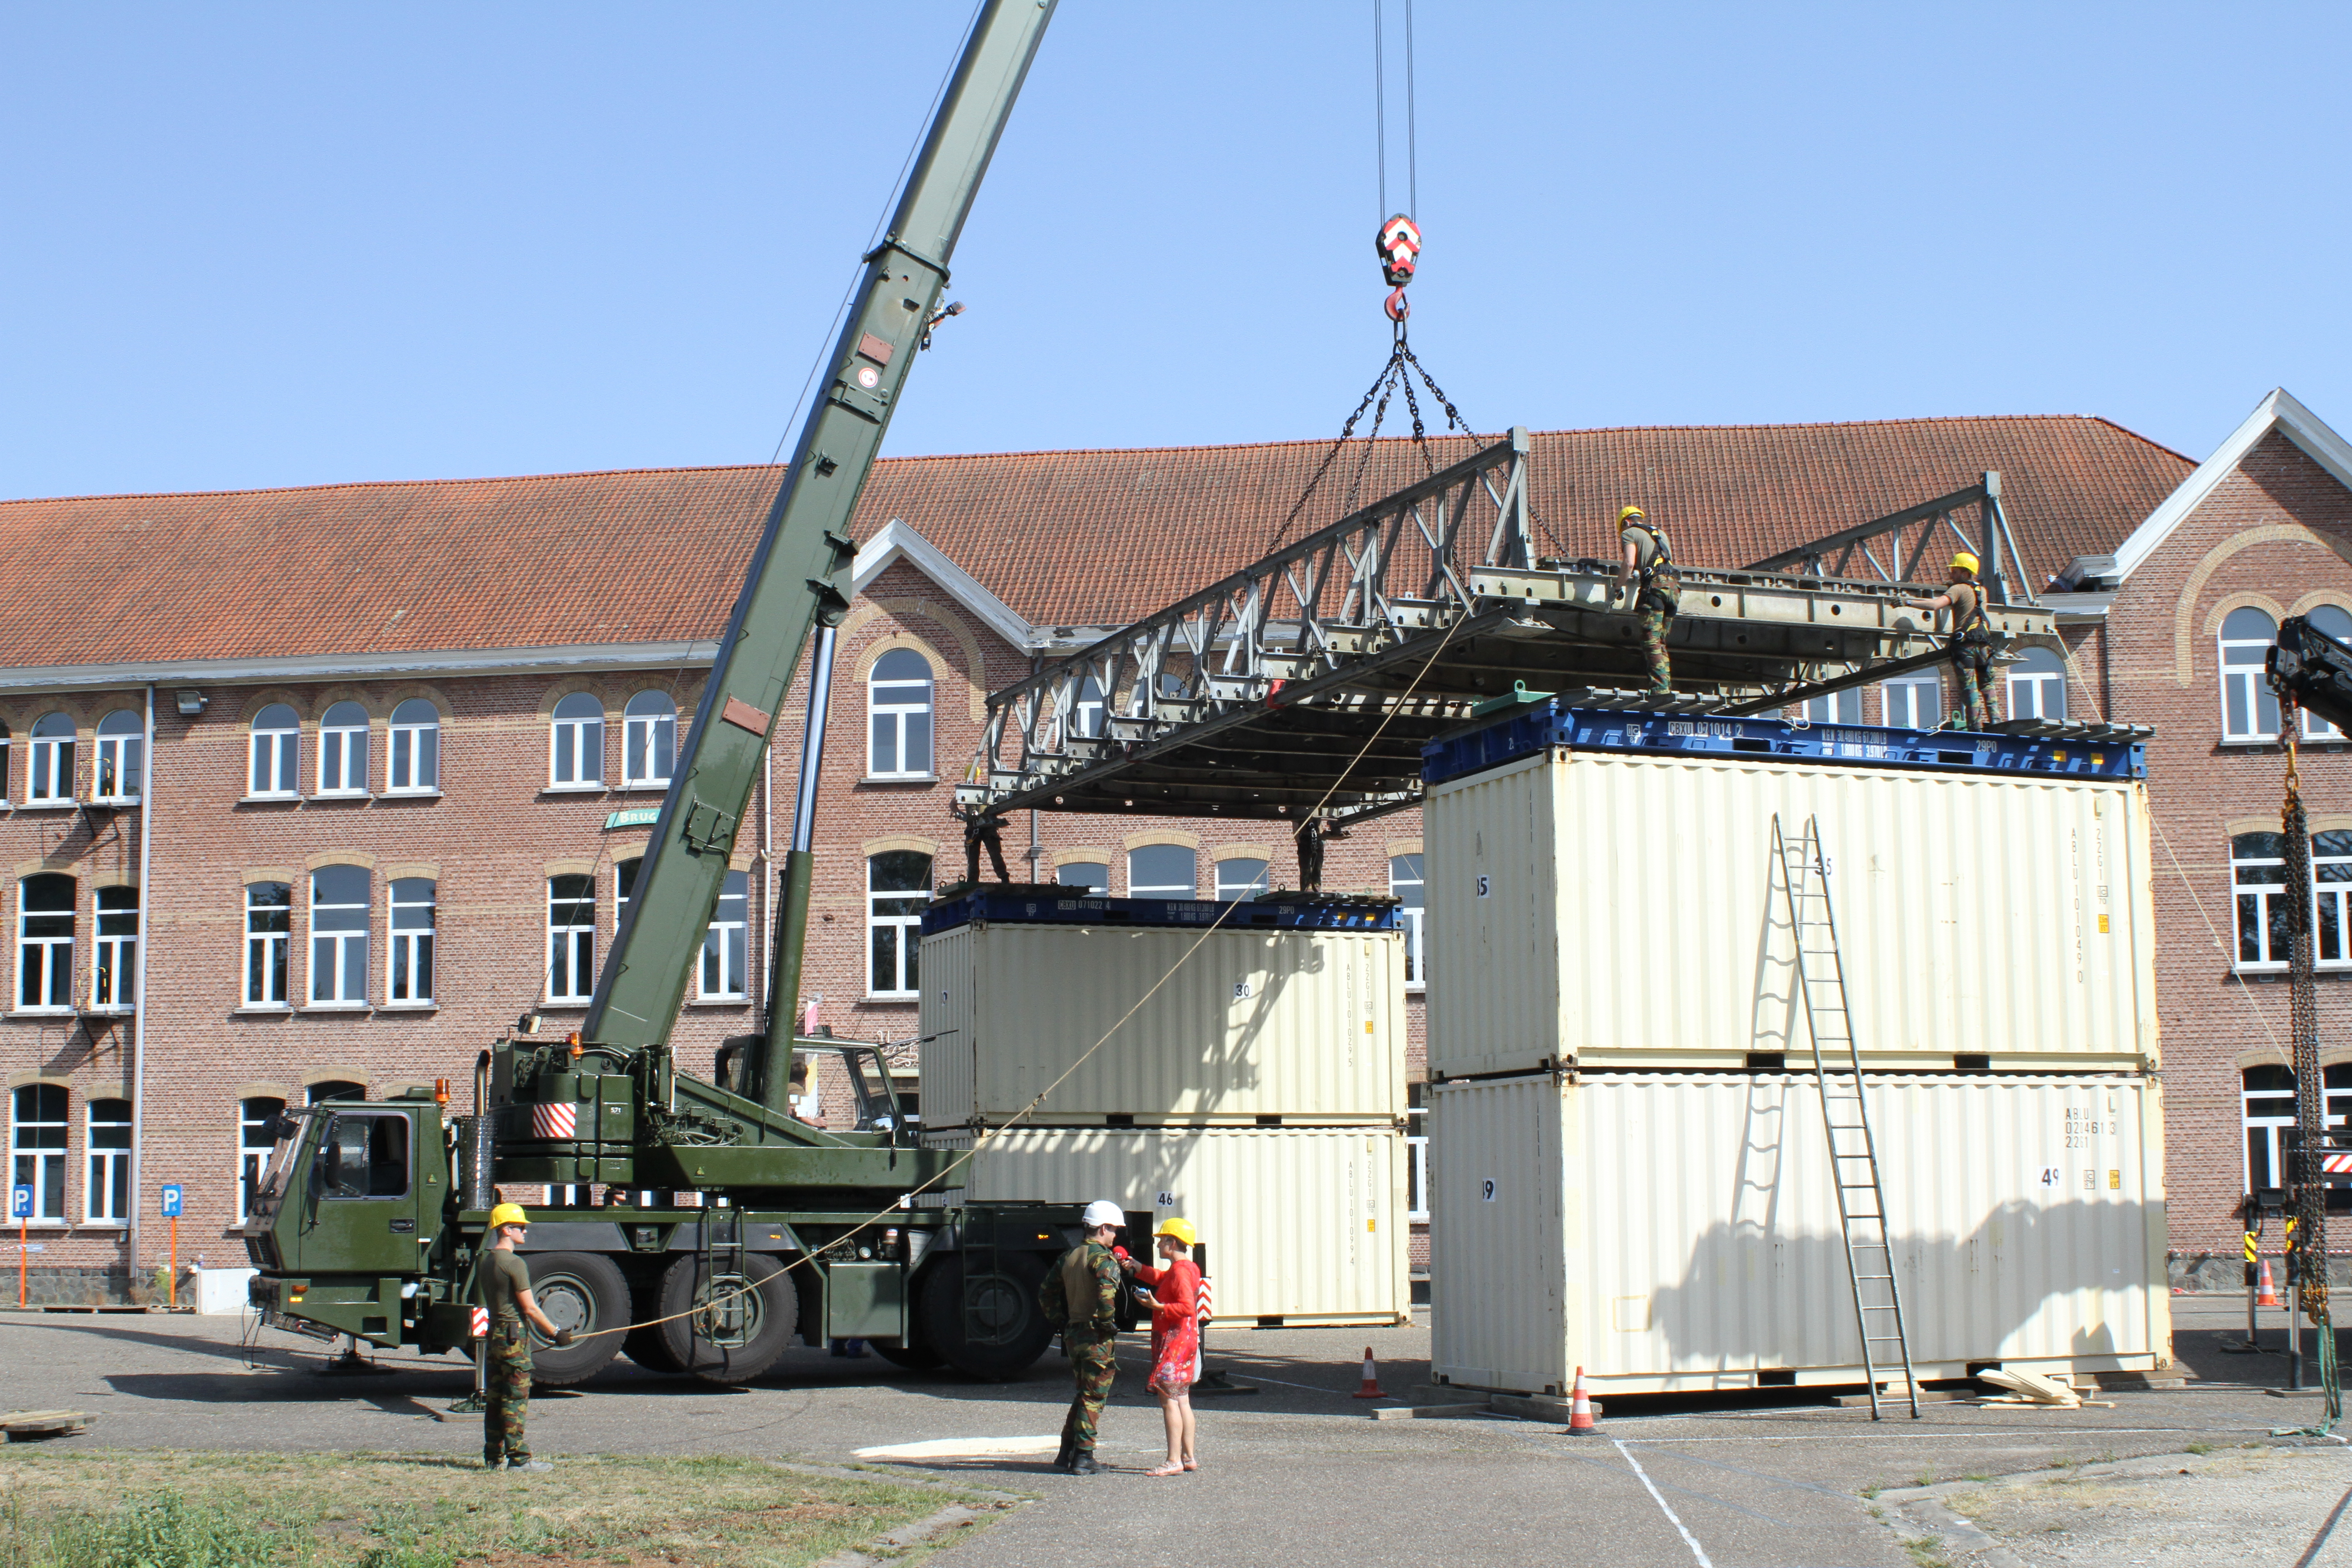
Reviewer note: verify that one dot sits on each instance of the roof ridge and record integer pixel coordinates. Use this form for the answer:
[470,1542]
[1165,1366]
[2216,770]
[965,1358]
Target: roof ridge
[2145,440]
[382,484]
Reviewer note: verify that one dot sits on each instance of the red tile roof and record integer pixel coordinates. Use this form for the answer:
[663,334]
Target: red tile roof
[1065,538]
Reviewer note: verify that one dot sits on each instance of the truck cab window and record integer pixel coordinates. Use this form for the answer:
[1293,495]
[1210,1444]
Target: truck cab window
[364,1156]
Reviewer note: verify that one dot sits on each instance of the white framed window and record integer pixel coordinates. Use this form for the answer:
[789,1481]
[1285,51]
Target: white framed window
[2331,892]
[413,907]
[650,741]
[413,750]
[576,742]
[45,922]
[256,1135]
[899,716]
[49,760]
[338,935]
[2333,621]
[2267,1097]
[1836,708]
[897,886]
[726,946]
[114,976]
[6,743]
[106,1142]
[1093,875]
[1416,1151]
[624,888]
[1405,885]
[2258,885]
[121,756]
[2249,711]
[2037,685]
[268,928]
[335,1088]
[343,750]
[1912,701]
[1240,877]
[571,937]
[1086,710]
[277,741]
[1162,871]
[36,1146]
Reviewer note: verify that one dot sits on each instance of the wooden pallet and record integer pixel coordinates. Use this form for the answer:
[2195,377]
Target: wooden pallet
[25,1426]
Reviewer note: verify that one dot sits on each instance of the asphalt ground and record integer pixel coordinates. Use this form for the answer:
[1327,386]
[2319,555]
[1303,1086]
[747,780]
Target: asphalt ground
[1295,1473]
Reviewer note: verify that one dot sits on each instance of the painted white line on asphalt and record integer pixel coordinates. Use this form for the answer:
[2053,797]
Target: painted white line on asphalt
[1659,1498]
[961,1448]
[1974,1437]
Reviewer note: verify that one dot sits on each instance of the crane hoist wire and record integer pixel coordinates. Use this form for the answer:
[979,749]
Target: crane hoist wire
[2310,1087]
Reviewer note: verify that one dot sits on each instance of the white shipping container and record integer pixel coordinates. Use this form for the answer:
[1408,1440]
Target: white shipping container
[1603,910]
[1303,1224]
[1678,1231]
[1306,1024]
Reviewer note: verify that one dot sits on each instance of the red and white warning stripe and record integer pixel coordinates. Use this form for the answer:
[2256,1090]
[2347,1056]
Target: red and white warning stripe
[481,1323]
[554,1120]
[2335,1164]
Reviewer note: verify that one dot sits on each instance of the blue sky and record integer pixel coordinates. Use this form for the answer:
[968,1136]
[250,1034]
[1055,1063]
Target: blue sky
[254,245]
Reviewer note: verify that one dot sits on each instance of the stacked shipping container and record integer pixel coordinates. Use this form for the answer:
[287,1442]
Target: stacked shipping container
[1241,1065]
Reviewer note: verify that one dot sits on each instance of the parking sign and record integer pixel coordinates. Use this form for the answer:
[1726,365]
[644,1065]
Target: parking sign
[171,1200]
[20,1202]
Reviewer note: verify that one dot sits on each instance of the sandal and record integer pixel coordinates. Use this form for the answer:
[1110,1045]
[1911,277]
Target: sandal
[1165,1470]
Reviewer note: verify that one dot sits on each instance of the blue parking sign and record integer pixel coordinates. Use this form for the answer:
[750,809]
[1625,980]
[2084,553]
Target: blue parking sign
[20,1202]
[171,1200]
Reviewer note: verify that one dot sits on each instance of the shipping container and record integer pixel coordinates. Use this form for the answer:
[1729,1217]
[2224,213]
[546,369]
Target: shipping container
[1609,909]
[1298,1226]
[1669,1231]
[1161,1025]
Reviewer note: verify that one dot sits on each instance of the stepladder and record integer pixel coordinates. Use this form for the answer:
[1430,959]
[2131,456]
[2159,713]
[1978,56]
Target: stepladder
[1803,874]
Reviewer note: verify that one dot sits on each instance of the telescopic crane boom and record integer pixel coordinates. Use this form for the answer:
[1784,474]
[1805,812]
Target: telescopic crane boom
[2311,671]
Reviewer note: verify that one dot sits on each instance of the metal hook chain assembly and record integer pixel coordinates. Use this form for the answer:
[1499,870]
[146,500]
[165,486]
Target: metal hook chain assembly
[2311,1095]
[1399,247]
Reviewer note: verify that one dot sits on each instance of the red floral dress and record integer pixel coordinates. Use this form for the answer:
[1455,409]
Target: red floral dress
[1175,1326]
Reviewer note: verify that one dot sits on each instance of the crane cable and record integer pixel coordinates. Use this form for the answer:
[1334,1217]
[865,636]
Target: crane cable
[2311,1093]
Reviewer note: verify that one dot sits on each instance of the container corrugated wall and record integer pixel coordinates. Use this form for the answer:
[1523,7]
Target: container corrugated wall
[1602,909]
[1679,1230]
[1307,1025]
[1307,1225]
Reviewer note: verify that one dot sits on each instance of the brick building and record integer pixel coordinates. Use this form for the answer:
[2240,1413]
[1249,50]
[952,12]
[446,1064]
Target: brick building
[405,740]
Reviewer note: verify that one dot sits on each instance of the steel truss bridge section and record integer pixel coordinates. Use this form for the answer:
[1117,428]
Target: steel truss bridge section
[1309,681]
[1992,545]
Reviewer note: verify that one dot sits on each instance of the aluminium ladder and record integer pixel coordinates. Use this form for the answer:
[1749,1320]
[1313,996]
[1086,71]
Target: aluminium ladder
[1845,1118]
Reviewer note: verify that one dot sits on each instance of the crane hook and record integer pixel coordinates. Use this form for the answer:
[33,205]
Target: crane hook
[1398,246]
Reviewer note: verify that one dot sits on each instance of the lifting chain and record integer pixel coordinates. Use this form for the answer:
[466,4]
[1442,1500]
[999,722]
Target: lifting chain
[2311,1095]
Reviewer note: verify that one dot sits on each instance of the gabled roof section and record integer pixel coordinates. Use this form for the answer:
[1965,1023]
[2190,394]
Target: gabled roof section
[2279,412]
[895,540]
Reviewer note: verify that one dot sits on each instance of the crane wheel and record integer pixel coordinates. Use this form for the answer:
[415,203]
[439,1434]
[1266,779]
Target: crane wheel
[582,1291]
[646,1345]
[916,1357]
[729,1334]
[980,1313]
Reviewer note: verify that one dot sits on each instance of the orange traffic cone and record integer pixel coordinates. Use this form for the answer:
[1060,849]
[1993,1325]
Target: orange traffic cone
[1371,1389]
[2269,1293]
[1580,1406]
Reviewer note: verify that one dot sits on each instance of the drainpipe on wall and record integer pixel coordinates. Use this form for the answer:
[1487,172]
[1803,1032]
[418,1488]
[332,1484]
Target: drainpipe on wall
[139,1004]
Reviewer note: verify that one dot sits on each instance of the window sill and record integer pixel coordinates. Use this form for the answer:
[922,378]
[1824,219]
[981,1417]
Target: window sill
[341,794]
[333,1007]
[596,788]
[563,1003]
[643,786]
[272,798]
[410,794]
[50,806]
[718,1002]
[266,1009]
[42,1013]
[900,779]
[894,997]
[113,801]
[110,1012]
[408,1007]
[103,1225]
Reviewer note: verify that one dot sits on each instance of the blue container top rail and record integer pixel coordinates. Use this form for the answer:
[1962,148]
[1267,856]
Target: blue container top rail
[1031,904]
[2091,752]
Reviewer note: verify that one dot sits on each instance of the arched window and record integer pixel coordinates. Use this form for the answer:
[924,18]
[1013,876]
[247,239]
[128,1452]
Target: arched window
[106,1138]
[2330,620]
[571,938]
[412,764]
[576,742]
[45,922]
[899,713]
[2267,1100]
[726,946]
[1093,875]
[1240,878]
[2037,685]
[256,1135]
[343,750]
[335,1088]
[338,935]
[268,927]
[276,745]
[897,886]
[36,1147]
[121,751]
[649,736]
[49,771]
[1405,885]
[414,904]
[1162,871]
[114,978]
[2249,711]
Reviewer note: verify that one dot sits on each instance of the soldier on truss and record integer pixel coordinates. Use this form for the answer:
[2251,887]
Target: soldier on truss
[1971,646]
[1646,572]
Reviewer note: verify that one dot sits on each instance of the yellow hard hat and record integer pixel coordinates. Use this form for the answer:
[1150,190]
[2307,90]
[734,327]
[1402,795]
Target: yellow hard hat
[1625,514]
[1964,562]
[1182,1230]
[506,1214]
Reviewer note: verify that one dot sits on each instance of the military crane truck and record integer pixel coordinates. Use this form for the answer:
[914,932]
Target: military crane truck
[743,1225]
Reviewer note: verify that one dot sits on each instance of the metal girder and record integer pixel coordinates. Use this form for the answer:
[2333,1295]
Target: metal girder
[1995,549]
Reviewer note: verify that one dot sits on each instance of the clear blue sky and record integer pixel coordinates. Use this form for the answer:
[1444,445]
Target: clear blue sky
[251,245]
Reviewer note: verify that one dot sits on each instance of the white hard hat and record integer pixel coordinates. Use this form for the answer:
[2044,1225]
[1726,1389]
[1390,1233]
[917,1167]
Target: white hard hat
[1102,1211]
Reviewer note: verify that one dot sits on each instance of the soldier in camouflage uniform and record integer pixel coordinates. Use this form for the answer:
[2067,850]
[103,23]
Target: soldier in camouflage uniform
[1080,1298]
[1646,572]
[1971,646]
[506,1290]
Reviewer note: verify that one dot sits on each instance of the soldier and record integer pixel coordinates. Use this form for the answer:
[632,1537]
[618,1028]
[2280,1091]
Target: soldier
[1971,646]
[1080,1298]
[1645,570]
[506,1290]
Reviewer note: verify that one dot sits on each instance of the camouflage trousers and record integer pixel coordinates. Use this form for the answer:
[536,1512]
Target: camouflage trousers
[505,1383]
[1653,648]
[1094,1363]
[1975,697]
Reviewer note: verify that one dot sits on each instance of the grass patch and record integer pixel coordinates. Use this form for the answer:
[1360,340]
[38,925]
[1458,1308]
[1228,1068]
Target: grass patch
[2200,1448]
[93,1508]
[1926,1554]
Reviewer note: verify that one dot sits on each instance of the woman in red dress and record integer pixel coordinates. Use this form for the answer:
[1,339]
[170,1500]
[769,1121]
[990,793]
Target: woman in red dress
[1175,1339]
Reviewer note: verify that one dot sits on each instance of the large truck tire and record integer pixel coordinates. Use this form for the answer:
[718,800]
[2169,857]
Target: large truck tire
[770,1311]
[980,1315]
[644,1344]
[585,1292]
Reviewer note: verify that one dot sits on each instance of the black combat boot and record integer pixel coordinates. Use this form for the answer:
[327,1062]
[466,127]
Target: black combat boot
[1069,1447]
[1081,1463]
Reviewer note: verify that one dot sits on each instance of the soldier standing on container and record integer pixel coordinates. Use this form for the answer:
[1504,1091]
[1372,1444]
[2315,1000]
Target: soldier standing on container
[1646,570]
[1080,1298]
[506,1290]
[1971,649]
